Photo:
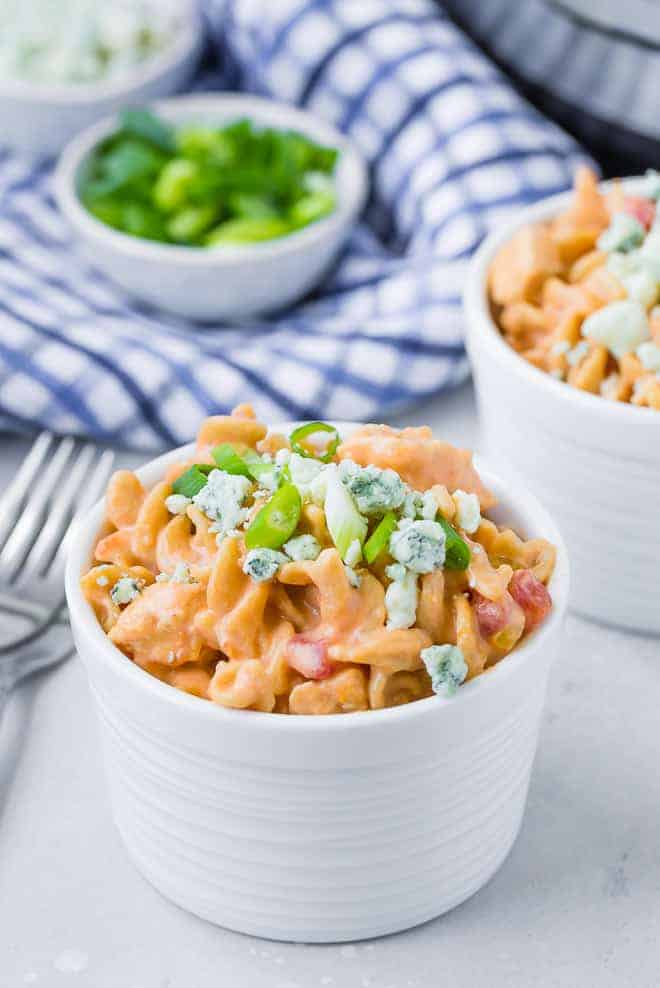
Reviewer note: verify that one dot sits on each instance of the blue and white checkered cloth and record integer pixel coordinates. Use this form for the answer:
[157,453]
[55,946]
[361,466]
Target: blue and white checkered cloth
[452,149]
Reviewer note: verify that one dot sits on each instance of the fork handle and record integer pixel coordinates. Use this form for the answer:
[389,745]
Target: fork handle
[32,659]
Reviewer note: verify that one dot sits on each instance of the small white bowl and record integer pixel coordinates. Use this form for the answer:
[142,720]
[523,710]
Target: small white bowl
[594,463]
[225,282]
[39,118]
[319,828]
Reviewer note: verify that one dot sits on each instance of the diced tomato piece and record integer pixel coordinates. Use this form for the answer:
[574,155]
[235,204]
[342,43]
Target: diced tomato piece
[532,595]
[309,658]
[642,209]
[492,615]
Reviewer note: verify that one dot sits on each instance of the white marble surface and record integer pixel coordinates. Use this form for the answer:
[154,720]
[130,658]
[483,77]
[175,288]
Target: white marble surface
[577,903]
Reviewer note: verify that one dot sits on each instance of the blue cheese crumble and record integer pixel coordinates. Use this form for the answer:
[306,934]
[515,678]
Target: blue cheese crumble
[428,505]
[304,471]
[263,564]
[641,285]
[125,590]
[468,511]
[180,574]
[649,253]
[577,353]
[375,491]
[395,571]
[302,547]
[621,326]
[70,42]
[651,184]
[401,599]
[623,234]
[418,545]
[412,505]
[649,355]
[221,500]
[446,666]
[177,504]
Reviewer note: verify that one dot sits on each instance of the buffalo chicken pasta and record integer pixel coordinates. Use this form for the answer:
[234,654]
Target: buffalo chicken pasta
[578,296]
[310,574]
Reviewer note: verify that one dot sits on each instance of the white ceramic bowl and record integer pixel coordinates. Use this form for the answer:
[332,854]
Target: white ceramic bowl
[230,281]
[595,464]
[39,118]
[319,828]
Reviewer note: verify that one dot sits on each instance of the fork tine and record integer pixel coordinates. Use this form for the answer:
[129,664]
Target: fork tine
[91,494]
[31,516]
[59,514]
[12,498]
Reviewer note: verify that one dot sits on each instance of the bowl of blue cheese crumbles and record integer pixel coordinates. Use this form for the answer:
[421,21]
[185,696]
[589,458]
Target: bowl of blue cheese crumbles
[66,64]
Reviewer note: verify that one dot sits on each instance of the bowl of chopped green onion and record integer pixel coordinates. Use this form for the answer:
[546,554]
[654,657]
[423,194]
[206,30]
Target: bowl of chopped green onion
[66,65]
[219,206]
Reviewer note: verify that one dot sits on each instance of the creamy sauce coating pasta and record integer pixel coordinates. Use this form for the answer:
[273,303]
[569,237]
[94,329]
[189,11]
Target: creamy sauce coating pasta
[315,635]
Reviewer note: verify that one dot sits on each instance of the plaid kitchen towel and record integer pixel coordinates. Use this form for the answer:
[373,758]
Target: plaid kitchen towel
[452,148]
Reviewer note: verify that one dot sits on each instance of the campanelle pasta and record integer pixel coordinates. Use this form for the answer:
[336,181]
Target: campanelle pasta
[311,575]
[578,296]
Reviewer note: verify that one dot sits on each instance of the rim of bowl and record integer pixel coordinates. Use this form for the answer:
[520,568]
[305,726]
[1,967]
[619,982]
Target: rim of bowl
[350,179]
[187,37]
[486,332]
[78,557]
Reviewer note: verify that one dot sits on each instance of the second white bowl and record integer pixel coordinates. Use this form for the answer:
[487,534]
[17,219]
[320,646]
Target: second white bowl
[230,281]
[594,463]
[39,118]
[319,828]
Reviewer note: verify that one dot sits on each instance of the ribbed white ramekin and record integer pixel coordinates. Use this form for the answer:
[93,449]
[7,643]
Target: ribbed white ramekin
[594,463]
[318,828]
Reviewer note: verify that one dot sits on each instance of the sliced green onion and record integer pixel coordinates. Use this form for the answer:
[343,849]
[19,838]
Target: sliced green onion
[140,122]
[229,460]
[260,471]
[344,521]
[379,539]
[277,521]
[312,207]
[457,552]
[190,223]
[247,231]
[171,188]
[246,464]
[310,429]
[192,481]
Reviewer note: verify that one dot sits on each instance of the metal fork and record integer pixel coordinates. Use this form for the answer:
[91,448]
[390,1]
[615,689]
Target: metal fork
[57,479]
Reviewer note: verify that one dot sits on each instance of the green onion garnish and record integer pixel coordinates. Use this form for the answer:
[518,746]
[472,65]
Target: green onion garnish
[344,521]
[379,539]
[259,470]
[142,123]
[277,521]
[310,429]
[457,553]
[229,460]
[192,481]
[246,464]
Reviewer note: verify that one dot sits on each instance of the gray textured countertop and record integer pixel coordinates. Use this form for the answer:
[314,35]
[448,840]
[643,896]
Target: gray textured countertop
[576,904]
